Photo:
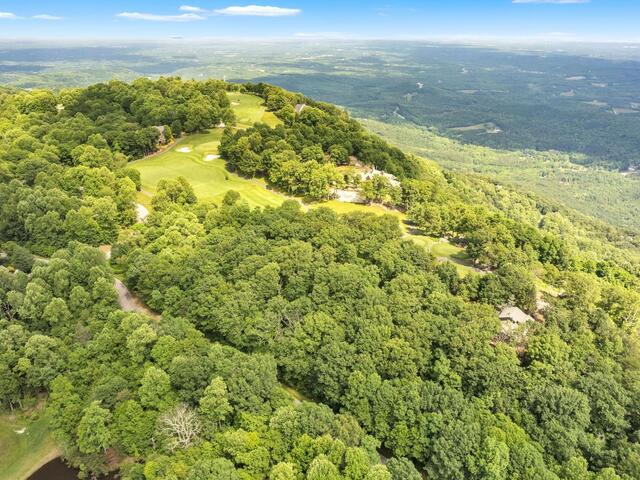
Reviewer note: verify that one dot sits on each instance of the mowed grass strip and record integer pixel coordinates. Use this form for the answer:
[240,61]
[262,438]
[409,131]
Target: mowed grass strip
[345,207]
[443,249]
[249,110]
[191,158]
[21,454]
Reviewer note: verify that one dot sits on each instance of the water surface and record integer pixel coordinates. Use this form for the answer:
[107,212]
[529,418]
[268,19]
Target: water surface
[56,469]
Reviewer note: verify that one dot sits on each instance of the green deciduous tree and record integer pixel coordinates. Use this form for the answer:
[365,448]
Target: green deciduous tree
[94,434]
[214,406]
[155,389]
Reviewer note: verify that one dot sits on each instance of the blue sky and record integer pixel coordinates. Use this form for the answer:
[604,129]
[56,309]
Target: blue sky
[601,20]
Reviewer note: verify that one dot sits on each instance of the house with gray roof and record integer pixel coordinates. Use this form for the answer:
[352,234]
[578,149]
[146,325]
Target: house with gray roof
[512,317]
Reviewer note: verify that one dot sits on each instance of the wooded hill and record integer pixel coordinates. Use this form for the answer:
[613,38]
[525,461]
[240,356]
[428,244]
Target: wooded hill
[382,346]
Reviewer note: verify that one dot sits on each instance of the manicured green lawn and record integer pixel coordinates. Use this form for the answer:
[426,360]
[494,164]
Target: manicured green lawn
[249,110]
[22,454]
[343,207]
[190,158]
[209,178]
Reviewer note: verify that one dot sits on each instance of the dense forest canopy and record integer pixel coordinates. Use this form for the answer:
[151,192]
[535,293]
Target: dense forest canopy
[497,225]
[385,348]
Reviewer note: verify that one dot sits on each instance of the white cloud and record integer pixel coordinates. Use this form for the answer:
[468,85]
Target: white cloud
[152,17]
[193,13]
[324,35]
[189,8]
[44,16]
[259,11]
[7,16]
[557,2]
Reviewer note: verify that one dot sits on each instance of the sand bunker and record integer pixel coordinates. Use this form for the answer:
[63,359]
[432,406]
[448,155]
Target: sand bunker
[184,150]
[210,157]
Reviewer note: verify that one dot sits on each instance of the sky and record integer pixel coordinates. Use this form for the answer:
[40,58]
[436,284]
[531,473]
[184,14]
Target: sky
[570,20]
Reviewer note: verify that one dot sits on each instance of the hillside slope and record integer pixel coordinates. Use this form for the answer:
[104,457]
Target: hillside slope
[385,347]
[604,194]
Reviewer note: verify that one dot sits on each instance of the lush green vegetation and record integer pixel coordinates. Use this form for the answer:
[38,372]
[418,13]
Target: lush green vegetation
[383,345]
[609,196]
[196,158]
[342,323]
[190,158]
[299,160]
[250,110]
[538,98]
[301,155]
[63,158]
[25,445]
[543,100]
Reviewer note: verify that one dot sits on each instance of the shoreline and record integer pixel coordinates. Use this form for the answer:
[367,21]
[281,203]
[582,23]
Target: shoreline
[56,452]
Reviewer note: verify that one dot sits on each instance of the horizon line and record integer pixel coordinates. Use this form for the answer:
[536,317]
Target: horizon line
[311,37]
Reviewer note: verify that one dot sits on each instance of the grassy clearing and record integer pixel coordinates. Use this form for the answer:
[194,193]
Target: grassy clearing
[295,394]
[442,250]
[488,127]
[249,110]
[192,157]
[210,179]
[547,289]
[22,454]
[342,207]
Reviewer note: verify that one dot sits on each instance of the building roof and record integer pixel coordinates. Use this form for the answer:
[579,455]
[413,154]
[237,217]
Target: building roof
[515,315]
[300,107]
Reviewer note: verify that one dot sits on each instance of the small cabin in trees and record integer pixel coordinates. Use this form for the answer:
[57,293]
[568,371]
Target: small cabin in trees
[299,108]
[512,317]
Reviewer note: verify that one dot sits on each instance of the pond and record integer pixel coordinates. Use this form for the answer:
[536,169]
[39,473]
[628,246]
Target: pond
[56,469]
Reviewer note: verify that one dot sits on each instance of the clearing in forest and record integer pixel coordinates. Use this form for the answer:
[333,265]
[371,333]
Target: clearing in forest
[487,127]
[196,158]
[443,250]
[249,110]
